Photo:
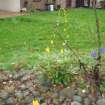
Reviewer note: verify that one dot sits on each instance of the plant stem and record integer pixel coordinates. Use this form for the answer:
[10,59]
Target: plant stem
[98,64]
[97,32]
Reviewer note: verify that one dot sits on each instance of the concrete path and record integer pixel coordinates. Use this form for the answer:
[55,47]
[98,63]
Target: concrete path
[5,14]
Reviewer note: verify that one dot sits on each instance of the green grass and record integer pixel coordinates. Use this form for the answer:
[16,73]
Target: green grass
[23,38]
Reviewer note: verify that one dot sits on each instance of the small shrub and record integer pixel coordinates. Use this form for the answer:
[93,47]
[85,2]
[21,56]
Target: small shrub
[59,74]
[57,68]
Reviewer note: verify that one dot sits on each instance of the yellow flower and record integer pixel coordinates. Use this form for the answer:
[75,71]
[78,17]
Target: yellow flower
[52,42]
[35,102]
[47,50]
[62,51]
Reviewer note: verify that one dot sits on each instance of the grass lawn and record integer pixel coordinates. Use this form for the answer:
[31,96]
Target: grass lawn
[22,38]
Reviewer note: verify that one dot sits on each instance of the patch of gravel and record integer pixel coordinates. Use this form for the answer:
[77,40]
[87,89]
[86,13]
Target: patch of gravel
[22,87]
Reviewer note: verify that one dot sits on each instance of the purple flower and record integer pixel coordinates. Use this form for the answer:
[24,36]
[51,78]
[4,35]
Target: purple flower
[102,50]
[93,54]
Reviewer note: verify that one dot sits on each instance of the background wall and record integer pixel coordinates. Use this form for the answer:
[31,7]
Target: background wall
[62,3]
[10,5]
[40,5]
[73,3]
[23,1]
